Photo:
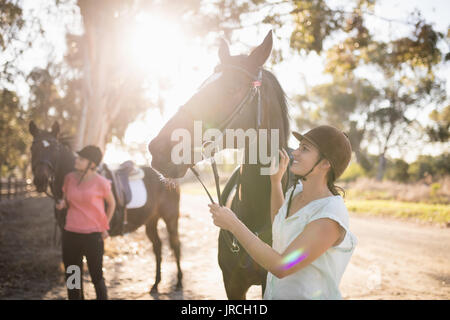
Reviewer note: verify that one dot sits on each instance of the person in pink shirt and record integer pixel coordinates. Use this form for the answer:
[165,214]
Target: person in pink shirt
[87,221]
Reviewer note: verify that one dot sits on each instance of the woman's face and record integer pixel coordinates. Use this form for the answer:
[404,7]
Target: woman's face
[81,163]
[305,156]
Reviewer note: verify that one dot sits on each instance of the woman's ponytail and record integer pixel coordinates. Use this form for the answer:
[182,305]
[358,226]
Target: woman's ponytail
[336,190]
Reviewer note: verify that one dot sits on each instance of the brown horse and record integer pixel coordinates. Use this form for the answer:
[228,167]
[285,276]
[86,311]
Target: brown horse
[223,102]
[52,159]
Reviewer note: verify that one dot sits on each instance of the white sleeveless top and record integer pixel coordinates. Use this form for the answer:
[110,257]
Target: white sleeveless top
[321,278]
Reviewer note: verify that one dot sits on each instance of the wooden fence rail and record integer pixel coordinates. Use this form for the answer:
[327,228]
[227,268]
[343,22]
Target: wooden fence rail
[12,187]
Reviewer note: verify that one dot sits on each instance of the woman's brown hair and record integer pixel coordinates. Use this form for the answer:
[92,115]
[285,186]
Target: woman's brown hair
[336,190]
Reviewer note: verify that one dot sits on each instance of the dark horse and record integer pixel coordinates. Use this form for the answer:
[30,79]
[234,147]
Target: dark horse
[221,102]
[52,159]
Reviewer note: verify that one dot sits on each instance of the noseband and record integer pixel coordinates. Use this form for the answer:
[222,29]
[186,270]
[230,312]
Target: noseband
[46,161]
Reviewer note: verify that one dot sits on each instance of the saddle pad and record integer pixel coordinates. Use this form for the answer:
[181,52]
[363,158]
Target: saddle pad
[138,194]
[136,174]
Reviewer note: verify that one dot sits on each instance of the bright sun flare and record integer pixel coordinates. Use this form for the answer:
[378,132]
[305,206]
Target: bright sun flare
[160,50]
[156,43]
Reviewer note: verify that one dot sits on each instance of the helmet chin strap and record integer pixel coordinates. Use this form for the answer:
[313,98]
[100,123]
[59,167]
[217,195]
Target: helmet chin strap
[84,172]
[303,177]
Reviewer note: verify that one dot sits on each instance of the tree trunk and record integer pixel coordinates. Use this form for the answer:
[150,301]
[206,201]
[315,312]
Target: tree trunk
[95,120]
[356,136]
[381,167]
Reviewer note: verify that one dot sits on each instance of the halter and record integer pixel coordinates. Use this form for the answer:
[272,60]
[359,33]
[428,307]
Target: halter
[46,161]
[253,91]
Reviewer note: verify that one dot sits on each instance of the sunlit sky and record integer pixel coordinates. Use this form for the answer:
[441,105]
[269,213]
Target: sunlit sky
[186,63]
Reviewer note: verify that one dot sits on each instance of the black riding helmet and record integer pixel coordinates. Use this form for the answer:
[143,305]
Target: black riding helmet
[92,153]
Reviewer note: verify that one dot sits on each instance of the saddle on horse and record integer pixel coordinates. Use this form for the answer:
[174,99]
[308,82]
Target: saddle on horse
[121,178]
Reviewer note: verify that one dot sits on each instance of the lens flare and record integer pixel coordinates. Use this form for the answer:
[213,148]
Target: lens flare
[316,295]
[293,258]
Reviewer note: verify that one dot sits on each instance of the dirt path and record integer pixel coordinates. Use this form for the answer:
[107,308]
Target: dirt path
[393,259]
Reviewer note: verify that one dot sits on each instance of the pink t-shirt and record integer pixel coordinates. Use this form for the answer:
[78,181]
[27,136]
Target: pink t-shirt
[86,207]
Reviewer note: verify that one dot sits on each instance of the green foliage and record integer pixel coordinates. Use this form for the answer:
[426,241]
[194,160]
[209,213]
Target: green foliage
[428,165]
[440,130]
[314,22]
[10,18]
[406,66]
[397,170]
[353,172]
[14,137]
[435,213]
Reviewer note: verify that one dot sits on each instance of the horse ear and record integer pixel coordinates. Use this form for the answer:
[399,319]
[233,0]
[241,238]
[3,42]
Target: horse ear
[224,51]
[55,129]
[262,52]
[33,128]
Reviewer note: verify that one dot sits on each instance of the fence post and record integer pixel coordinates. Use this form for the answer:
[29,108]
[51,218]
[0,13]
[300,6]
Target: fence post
[17,187]
[9,188]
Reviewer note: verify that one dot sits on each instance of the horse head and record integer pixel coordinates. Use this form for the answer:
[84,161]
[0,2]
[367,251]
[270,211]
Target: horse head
[44,155]
[220,102]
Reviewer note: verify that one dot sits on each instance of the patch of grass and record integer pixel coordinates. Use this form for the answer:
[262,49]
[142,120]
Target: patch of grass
[368,202]
[435,213]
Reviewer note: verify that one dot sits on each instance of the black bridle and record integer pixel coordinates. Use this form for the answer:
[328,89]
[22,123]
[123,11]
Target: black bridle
[253,91]
[51,166]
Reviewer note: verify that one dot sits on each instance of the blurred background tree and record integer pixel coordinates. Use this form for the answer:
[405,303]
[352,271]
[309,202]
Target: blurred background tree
[377,110]
[13,139]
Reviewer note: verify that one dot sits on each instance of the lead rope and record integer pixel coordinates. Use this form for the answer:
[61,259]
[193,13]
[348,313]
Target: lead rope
[234,246]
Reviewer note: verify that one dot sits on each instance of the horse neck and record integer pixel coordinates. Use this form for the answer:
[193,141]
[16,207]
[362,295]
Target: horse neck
[255,187]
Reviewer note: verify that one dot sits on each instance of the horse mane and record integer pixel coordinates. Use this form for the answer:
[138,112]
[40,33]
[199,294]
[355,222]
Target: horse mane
[278,97]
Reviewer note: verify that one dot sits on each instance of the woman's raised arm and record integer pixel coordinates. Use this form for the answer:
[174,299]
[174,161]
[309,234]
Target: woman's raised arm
[276,193]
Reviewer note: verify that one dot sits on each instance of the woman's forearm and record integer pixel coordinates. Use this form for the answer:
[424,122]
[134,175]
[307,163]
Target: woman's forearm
[276,198]
[110,211]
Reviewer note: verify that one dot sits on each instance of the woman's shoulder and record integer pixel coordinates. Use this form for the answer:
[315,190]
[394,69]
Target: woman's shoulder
[336,201]
[336,206]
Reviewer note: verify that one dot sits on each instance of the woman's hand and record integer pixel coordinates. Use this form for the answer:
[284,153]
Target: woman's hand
[105,234]
[282,166]
[61,204]
[223,217]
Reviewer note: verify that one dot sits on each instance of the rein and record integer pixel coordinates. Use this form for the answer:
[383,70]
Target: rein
[253,91]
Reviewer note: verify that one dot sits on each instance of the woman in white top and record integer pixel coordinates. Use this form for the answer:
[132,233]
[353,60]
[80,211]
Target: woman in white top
[312,244]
